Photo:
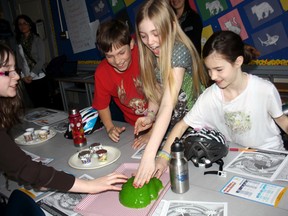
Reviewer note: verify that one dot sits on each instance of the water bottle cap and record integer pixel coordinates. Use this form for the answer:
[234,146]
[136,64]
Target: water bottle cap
[73,111]
[177,146]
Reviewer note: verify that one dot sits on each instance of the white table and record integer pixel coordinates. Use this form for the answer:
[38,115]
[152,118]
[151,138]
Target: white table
[202,187]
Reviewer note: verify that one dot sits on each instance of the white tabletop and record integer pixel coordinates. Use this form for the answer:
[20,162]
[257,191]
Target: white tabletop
[202,187]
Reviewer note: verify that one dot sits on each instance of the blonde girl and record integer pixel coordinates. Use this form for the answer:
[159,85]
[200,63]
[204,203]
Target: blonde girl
[172,76]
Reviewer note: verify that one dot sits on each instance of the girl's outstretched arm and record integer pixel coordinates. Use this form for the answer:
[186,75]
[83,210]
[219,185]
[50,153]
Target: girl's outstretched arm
[162,162]
[100,184]
[146,169]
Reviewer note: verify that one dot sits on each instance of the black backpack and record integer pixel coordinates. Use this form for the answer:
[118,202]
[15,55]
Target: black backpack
[55,67]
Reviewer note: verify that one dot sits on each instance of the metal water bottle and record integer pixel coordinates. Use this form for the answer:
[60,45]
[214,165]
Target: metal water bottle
[179,173]
[76,126]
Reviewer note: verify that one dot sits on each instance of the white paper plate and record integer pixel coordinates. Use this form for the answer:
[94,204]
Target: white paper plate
[112,155]
[21,141]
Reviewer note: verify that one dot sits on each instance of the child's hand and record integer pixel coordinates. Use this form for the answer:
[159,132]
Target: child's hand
[145,172]
[142,123]
[114,133]
[161,166]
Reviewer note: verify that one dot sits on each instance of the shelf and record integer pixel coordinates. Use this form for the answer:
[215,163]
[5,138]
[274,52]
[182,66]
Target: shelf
[276,74]
[74,96]
[76,89]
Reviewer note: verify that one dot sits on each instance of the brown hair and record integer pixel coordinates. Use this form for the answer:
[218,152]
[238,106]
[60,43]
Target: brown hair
[230,46]
[17,29]
[112,33]
[10,107]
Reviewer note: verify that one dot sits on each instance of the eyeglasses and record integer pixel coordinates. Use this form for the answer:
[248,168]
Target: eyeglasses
[23,24]
[9,73]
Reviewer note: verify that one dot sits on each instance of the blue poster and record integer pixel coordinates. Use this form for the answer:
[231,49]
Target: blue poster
[270,39]
[100,8]
[260,12]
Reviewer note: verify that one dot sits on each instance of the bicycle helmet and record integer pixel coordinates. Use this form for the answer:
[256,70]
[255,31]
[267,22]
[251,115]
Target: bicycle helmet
[90,120]
[205,146]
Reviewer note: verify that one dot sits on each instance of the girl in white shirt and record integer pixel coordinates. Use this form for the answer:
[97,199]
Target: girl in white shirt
[244,107]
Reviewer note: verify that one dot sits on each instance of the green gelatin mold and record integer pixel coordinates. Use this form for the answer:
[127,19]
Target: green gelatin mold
[132,197]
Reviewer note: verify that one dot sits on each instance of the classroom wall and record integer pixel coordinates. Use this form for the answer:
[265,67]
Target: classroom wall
[98,11]
[261,23]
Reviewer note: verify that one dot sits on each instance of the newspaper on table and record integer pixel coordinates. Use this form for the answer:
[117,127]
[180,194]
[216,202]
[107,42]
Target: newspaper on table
[46,117]
[34,193]
[263,164]
[61,126]
[269,194]
[57,203]
[138,154]
[182,207]
[37,158]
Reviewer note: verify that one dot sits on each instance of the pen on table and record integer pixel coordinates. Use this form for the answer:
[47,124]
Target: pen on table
[259,150]
[242,149]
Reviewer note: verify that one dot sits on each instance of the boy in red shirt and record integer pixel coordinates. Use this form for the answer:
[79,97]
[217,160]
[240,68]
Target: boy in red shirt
[118,77]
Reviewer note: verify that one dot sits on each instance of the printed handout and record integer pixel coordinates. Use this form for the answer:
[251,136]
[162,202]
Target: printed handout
[37,158]
[46,117]
[61,126]
[269,194]
[182,207]
[138,154]
[268,165]
[61,204]
[32,116]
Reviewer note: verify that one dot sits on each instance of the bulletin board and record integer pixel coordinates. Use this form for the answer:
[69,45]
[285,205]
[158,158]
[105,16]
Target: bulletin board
[260,23]
[81,18]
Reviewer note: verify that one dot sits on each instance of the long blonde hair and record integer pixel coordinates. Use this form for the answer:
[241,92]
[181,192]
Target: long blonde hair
[169,31]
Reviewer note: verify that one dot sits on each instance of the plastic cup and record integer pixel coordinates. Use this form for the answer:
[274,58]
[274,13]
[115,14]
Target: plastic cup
[102,155]
[43,134]
[47,128]
[28,136]
[85,157]
[32,131]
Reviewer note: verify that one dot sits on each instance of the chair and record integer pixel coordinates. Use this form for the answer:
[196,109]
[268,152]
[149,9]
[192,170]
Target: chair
[3,204]
[21,204]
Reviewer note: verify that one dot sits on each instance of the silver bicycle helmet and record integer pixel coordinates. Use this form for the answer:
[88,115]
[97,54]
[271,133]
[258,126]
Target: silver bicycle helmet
[204,146]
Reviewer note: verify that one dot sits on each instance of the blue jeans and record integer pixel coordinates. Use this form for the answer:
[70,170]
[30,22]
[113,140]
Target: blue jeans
[20,204]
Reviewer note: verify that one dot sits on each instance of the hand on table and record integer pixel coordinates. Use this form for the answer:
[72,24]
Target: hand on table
[107,182]
[101,184]
[141,140]
[145,172]
[161,166]
[114,133]
[143,123]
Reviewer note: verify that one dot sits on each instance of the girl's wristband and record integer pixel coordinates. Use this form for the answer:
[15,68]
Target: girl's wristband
[151,114]
[164,154]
